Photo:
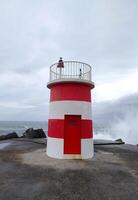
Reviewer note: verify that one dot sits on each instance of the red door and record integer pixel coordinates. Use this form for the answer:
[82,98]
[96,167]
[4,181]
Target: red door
[72,134]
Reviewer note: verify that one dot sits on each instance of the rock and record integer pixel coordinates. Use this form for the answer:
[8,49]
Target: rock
[9,136]
[28,133]
[2,137]
[12,135]
[40,133]
[31,133]
[119,140]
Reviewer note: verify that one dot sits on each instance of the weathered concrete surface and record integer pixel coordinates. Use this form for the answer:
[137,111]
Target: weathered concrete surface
[26,173]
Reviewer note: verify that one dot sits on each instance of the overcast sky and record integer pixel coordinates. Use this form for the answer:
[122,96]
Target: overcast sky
[35,33]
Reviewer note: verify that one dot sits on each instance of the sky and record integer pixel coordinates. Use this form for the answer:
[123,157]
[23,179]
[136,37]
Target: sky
[34,34]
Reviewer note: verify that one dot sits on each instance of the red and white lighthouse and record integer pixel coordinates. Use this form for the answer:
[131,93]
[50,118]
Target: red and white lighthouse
[70,130]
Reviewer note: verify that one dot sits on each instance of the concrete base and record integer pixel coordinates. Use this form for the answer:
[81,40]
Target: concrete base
[27,173]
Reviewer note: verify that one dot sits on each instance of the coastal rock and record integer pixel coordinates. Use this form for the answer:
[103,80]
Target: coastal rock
[9,136]
[119,140]
[34,133]
[2,137]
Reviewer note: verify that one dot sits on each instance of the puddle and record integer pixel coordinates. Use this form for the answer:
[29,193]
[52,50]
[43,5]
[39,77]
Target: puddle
[3,145]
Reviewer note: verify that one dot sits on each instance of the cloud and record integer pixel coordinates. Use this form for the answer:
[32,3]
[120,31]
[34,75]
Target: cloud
[34,34]
[103,33]
[28,36]
[24,94]
[116,86]
[119,119]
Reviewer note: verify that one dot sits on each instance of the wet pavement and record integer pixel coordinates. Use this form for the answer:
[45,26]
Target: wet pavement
[26,173]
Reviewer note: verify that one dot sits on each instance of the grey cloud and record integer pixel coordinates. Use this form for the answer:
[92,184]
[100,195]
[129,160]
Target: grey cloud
[34,34]
[22,47]
[110,111]
[120,117]
[103,33]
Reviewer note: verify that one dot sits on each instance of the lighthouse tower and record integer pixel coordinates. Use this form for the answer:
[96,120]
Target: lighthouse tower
[70,130]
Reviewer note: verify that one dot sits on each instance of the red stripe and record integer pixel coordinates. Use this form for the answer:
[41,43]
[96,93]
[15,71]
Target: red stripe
[70,91]
[56,128]
[86,129]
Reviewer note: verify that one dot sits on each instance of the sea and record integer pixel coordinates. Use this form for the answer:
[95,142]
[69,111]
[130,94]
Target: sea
[100,131]
[20,126]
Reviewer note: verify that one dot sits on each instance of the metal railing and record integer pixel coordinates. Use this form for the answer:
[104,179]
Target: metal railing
[71,70]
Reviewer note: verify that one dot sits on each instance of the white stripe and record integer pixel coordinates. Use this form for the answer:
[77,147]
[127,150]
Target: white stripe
[60,108]
[87,150]
[55,149]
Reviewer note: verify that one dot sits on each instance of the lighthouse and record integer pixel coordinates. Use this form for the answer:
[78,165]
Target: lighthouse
[70,127]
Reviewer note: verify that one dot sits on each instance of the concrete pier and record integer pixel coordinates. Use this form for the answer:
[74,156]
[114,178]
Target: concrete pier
[27,173]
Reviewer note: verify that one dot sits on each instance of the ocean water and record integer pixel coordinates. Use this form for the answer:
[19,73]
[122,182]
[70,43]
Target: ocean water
[20,126]
[100,131]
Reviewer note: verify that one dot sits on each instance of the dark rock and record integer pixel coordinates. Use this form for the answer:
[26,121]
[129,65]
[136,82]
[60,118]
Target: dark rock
[31,133]
[119,140]
[9,136]
[40,133]
[12,135]
[2,137]
[28,133]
